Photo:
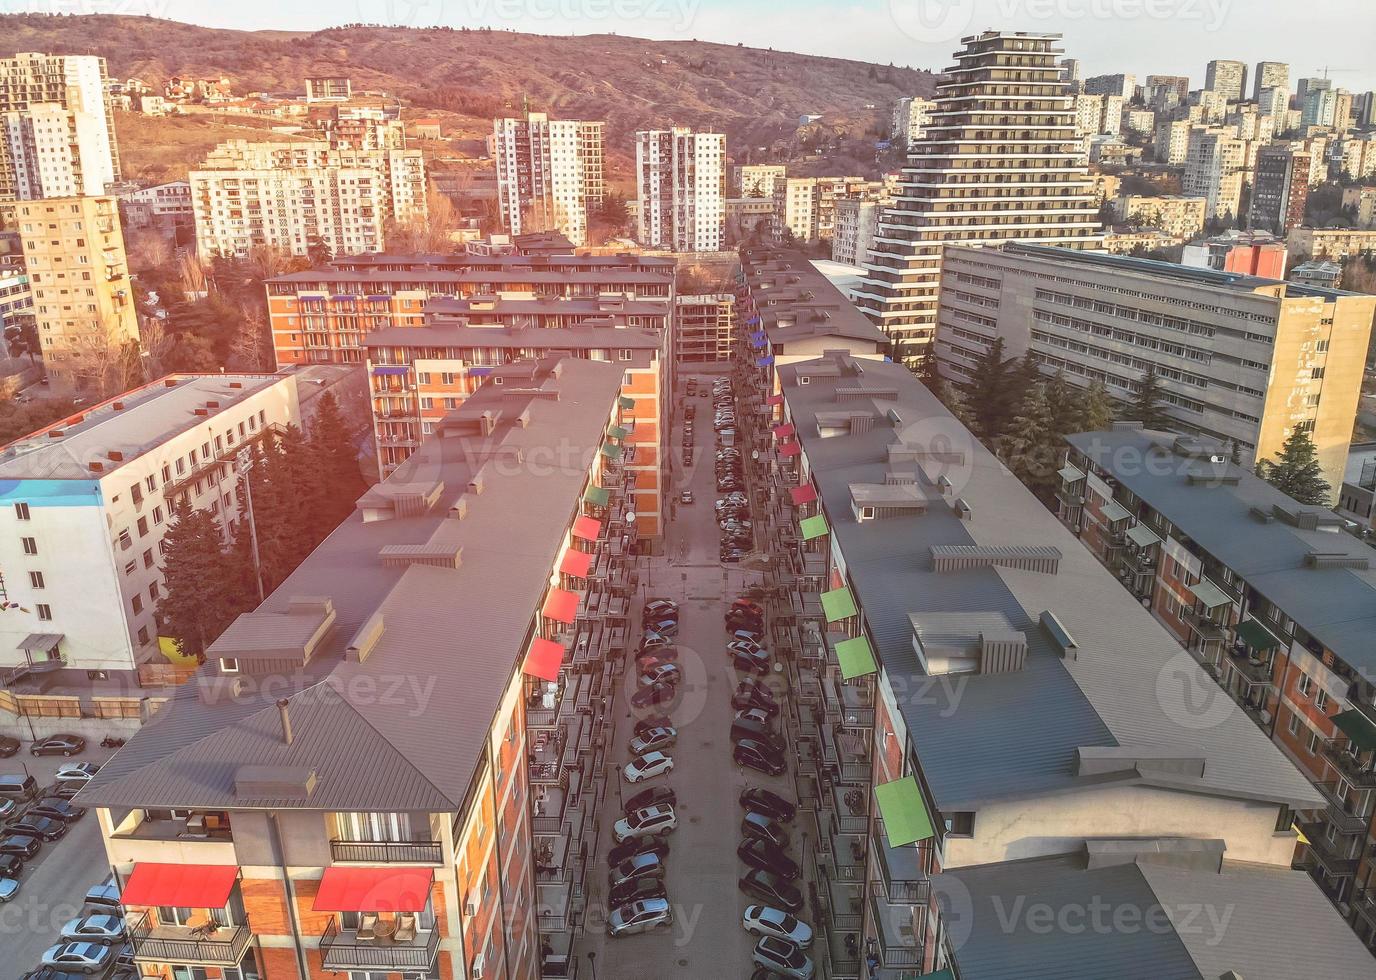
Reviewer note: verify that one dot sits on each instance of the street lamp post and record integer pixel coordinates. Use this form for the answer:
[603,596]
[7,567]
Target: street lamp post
[592,963]
[242,464]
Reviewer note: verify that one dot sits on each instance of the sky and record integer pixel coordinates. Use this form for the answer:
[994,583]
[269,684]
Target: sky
[1171,37]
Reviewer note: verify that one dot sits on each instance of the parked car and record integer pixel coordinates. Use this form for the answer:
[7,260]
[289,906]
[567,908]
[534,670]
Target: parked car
[770,888]
[730,555]
[755,663]
[762,920]
[783,957]
[649,822]
[650,797]
[76,772]
[11,865]
[767,802]
[640,916]
[655,738]
[9,887]
[647,865]
[79,957]
[65,791]
[758,826]
[9,809]
[57,809]
[666,626]
[647,766]
[632,846]
[660,674]
[20,845]
[735,621]
[654,721]
[59,745]
[653,641]
[44,828]
[751,693]
[658,607]
[752,636]
[98,928]
[51,973]
[8,746]
[685,497]
[636,889]
[747,647]
[748,605]
[758,756]
[656,655]
[647,697]
[104,896]
[758,854]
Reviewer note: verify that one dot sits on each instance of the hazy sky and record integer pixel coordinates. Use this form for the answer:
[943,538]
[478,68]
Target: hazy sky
[1138,36]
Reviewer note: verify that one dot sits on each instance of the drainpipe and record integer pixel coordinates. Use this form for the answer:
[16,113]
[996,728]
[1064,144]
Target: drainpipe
[279,856]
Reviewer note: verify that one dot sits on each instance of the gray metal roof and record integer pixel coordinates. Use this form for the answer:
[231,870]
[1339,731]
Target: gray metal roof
[1145,920]
[1337,606]
[406,727]
[818,308]
[972,733]
[581,337]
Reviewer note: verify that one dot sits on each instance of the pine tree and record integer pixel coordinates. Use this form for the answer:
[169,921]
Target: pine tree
[1145,406]
[930,377]
[989,393]
[1096,408]
[335,454]
[1064,404]
[1296,471]
[197,601]
[1031,447]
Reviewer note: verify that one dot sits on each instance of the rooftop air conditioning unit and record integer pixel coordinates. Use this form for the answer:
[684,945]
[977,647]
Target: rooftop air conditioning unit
[1218,459]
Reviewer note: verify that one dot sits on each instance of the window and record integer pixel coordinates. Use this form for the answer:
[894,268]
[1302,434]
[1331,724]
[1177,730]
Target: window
[36,580]
[21,511]
[1314,742]
[624,354]
[151,482]
[1293,725]
[125,540]
[148,558]
[143,634]
[166,475]
[30,546]
[1305,684]
[129,567]
[45,612]
[1321,699]
[137,603]
[143,526]
[960,825]
[866,513]
[157,515]
[153,591]
[228,665]
[1284,819]
[373,826]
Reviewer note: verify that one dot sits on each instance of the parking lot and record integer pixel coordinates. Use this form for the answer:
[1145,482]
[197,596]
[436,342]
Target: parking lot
[706,939]
[54,882]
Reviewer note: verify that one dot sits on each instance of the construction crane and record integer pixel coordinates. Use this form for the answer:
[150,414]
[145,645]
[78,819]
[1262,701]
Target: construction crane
[1326,70]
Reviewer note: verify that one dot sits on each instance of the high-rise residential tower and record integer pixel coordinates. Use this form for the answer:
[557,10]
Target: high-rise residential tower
[1228,78]
[550,173]
[1270,74]
[999,162]
[681,187]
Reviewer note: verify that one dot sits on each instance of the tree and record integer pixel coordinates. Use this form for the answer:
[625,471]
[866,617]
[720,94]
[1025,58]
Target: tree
[989,394]
[926,370]
[1296,471]
[1031,446]
[1096,408]
[21,337]
[334,448]
[197,601]
[1146,403]
[318,251]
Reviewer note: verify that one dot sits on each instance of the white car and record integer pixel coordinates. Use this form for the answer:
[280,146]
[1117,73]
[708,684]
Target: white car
[761,920]
[662,672]
[650,821]
[647,766]
[783,957]
[76,772]
[641,916]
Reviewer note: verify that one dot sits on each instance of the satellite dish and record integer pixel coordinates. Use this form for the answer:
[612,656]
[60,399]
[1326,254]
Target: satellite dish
[630,517]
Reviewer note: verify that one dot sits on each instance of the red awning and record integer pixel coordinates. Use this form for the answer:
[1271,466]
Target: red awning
[576,563]
[188,886]
[561,606]
[805,494]
[789,449]
[587,528]
[784,431]
[373,889]
[774,400]
[544,660]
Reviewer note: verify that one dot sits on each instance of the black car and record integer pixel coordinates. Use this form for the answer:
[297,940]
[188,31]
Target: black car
[20,845]
[658,607]
[51,973]
[739,619]
[10,865]
[757,663]
[632,846]
[756,755]
[730,555]
[67,790]
[657,721]
[8,746]
[57,809]
[769,803]
[751,694]
[42,827]
[767,857]
[665,627]
[59,745]
[770,889]
[660,692]
[653,796]
[635,889]
[759,826]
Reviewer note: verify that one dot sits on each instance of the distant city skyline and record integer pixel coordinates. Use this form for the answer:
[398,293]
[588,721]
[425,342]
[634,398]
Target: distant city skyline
[1173,37]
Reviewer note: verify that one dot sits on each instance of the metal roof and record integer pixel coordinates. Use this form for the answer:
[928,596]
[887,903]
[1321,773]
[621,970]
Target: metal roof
[972,732]
[406,727]
[580,337]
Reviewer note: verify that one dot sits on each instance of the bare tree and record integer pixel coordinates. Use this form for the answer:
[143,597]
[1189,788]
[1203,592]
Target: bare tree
[193,273]
[148,249]
[252,342]
[266,262]
[102,358]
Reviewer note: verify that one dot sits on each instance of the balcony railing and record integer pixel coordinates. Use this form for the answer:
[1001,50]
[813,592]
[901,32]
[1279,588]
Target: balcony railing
[1339,812]
[224,946]
[343,950]
[388,851]
[1338,860]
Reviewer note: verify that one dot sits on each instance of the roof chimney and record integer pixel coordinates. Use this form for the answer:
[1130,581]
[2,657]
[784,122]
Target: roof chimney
[286,720]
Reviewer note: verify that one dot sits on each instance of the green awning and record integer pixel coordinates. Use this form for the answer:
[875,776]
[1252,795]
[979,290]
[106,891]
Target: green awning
[945,974]
[906,820]
[1209,594]
[1142,536]
[618,432]
[856,657]
[1359,729]
[813,527]
[625,402]
[598,496]
[1256,636]
[611,450]
[838,604]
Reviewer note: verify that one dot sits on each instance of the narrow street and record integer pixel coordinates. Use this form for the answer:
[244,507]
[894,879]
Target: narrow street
[707,939]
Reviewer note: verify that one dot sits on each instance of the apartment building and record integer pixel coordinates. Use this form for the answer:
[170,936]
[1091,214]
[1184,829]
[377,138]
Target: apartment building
[58,127]
[1362,202]
[1172,142]
[1241,359]
[757,179]
[86,504]
[857,222]
[1227,78]
[1165,92]
[1216,169]
[328,88]
[83,300]
[1272,75]
[976,690]
[910,117]
[1331,243]
[705,325]
[1172,213]
[1355,156]
[320,316]
[391,770]
[290,196]
[168,203]
[796,210]
[1326,275]
[999,161]
[681,189]
[1119,86]
[1273,599]
[550,173]
[16,296]
[1280,188]
[418,375]
[1098,115]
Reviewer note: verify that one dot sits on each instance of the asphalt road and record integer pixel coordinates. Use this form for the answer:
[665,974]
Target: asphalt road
[706,939]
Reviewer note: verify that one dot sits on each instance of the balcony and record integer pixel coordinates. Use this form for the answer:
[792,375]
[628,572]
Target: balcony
[902,879]
[1360,773]
[201,838]
[189,945]
[1252,672]
[1336,859]
[342,949]
[387,851]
